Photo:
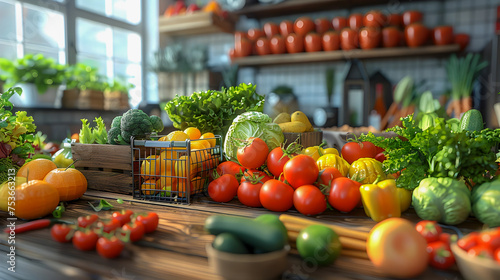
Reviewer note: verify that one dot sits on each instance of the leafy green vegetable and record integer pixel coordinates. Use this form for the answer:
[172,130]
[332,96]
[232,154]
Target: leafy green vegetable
[213,111]
[135,123]
[116,121]
[157,123]
[252,124]
[438,151]
[86,136]
[462,72]
[6,164]
[103,205]
[99,132]
[115,137]
[486,203]
[445,200]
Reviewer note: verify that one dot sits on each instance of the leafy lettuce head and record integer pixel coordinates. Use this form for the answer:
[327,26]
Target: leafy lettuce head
[252,124]
[445,200]
[486,203]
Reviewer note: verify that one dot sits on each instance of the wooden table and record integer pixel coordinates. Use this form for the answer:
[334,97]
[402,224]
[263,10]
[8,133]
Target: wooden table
[177,249]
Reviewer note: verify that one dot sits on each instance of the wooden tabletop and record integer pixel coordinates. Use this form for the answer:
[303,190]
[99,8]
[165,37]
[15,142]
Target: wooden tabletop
[177,249]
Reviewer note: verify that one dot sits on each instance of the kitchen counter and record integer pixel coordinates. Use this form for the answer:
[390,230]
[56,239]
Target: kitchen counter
[176,250]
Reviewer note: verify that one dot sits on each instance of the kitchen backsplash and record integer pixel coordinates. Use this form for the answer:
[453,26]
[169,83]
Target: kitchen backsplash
[476,18]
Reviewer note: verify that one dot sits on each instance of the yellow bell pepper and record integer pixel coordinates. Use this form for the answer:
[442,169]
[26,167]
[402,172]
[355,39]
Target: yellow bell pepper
[333,160]
[331,151]
[404,196]
[380,200]
[367,169]
[313,151]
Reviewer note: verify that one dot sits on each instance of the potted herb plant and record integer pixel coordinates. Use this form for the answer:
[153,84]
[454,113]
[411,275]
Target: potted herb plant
[38,76]
[89,85]
[116,95]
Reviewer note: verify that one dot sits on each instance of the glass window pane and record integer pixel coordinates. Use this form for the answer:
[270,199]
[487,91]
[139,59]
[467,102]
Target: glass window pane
[8,50]
[132,73]
[48,53]
[92,37]
[125,10]
[95,62]
[126,45]
[8,21]
[43,27]
[96,6]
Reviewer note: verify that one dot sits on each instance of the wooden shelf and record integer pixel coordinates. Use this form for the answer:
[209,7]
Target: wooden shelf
[296,58]
[195,24]
[300,6]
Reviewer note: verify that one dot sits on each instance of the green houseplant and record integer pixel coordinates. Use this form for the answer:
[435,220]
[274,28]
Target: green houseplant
[84,87]
[116,94]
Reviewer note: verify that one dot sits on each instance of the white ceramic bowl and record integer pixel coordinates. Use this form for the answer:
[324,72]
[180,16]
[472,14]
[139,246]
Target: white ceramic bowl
[248,266]
[475,268]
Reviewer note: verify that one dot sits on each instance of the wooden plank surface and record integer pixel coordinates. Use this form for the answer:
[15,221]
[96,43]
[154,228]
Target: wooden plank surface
[102,156]
[177,249]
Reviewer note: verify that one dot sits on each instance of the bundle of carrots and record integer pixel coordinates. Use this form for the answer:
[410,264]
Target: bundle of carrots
[462,72]
[353,241]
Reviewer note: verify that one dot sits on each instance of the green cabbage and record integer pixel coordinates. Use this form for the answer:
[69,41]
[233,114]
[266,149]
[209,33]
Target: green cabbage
[252,124]
[445,200]
[486,203]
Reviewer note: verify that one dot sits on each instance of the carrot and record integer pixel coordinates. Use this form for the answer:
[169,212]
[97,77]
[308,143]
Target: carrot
[390,113]
[466,104]
[354,254]
[341,231]
[454,108]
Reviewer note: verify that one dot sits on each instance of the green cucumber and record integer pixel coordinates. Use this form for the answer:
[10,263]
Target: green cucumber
[471,120]
[228,242]
[272,219]
[261,236]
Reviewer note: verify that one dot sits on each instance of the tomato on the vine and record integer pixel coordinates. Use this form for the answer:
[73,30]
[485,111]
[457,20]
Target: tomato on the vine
[253,153]
[123,217]
[301,170]
[61,233]
[276,196]
[109,247]
[85,240]
[249,173]
[327,175]
[344,194]
[278,157]
[137,230]
[351,151]
[150,221]
[430,230]
[249,191]
[224,188]
[440,255]
[86,221]
[309,200]
[229,167]
[468,241]
[109,226]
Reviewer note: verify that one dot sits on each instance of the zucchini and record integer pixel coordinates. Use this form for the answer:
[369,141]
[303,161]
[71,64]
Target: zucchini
[228,242]
[261,236]
[274,220]
[471,120]
[282,118]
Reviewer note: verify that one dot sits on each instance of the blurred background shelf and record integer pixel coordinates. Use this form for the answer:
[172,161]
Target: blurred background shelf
[195,24]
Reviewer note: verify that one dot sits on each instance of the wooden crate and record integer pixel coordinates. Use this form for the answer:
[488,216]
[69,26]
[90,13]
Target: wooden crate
[106,167]
[306,139]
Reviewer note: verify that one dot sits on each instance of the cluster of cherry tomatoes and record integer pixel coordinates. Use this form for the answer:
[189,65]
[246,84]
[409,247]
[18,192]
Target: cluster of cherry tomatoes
[282,178]
[438,244]
[371,30]
[107,236]
[484,244]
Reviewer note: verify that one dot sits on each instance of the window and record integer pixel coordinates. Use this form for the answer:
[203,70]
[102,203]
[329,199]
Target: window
[107,34]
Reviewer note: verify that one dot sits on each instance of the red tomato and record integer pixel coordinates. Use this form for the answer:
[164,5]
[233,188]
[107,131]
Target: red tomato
[277,44]
[430,230]
[395,20]
[416,35]
[468,241]
[224,188]
[294,43]
[255,33]
[301,170]
[242,47]
[374,19]
[109,248]
[312,42]
[254,153]
[391,37]
[303,25]
[496,255]
[85,241]
[339,23]
[276,159]
[137,230]
[440,255]
[462,40]
[331,41]
[369,38]
[309,200]
[251,174]
[348,39]
[271,29]
[344,194]
[481,251]
[442,35]
[61,233]
[322,25]
[248,193]
[410,17]
[356,21]
[150,221]
[351,151]
[448,238]
[380,157]
[86,221]
[109,226]
[123,217]
[276,196]
[327,175]
[286,28]
[263,46]
[490,238]
[230,167]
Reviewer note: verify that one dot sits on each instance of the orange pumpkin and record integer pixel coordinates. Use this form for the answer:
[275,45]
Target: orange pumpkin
[70,183]
[36,169]
[35,199]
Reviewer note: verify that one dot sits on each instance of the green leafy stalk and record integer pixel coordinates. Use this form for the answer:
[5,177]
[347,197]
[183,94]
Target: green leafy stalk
[99,132]
[86,135]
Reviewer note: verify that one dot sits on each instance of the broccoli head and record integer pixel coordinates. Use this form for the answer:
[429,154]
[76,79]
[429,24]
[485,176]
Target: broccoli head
[157,123]
[116,121]
[135,123]
[115,137]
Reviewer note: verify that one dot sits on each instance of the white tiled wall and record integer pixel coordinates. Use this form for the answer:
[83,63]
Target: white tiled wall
[474,17]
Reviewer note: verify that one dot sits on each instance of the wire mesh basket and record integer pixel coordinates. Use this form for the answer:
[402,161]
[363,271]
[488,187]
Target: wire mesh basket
[173,171]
